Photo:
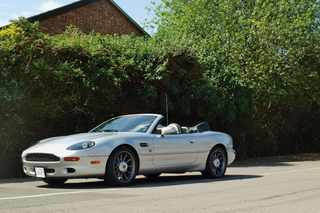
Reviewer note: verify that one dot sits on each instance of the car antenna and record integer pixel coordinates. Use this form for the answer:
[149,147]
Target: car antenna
[167,109]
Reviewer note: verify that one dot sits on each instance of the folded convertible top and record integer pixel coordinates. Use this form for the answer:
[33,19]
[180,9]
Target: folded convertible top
[201,127]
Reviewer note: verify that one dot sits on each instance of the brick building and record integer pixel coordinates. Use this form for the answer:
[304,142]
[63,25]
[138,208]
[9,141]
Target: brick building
[100,16]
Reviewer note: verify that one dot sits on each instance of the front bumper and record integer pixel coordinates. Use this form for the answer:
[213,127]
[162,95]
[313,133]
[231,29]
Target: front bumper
[86,167]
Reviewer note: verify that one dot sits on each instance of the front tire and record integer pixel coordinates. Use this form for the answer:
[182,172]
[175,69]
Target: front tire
[121,167]
[216,164]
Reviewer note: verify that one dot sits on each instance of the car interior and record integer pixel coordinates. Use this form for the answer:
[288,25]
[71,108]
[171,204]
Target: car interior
[201,127]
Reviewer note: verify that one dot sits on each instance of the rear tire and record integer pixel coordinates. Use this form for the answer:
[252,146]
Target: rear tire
[54,181]
[216,163]
[121,167]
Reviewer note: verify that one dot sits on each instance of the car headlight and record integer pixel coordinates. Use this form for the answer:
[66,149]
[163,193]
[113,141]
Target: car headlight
[82,145]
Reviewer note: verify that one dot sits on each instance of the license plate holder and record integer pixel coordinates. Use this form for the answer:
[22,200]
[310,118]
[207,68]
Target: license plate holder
[40,172]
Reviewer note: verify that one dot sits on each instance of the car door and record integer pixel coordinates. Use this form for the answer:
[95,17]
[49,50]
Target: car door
[174,149]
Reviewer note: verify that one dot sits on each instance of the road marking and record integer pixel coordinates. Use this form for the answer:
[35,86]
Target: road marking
[53,194]
[296,170]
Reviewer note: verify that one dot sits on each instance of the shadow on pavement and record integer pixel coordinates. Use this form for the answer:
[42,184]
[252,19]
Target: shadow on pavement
[165,179]
[142,182]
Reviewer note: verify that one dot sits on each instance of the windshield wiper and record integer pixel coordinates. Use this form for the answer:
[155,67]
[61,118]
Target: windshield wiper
[109,130]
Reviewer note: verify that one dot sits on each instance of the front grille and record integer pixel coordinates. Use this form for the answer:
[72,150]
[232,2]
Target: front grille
[40,157]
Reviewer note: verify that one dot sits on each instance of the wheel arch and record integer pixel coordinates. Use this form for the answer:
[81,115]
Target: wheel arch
[223,148]
[132,149]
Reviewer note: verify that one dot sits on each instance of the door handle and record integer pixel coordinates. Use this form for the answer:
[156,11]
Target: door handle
[192,141]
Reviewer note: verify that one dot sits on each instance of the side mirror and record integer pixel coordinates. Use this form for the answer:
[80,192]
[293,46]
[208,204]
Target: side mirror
[167,130]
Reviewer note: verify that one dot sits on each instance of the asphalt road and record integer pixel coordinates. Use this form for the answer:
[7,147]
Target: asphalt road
[274,187]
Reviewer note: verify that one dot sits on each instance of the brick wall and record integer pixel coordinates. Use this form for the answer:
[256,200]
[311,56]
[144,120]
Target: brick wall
[101,16]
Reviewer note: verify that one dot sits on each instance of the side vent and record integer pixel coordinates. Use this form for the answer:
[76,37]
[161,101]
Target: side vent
[144,144]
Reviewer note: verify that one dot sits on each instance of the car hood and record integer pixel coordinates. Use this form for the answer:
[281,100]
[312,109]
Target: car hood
[63,142]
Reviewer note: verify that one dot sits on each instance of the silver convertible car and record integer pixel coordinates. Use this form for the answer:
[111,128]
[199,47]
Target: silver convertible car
[129,145]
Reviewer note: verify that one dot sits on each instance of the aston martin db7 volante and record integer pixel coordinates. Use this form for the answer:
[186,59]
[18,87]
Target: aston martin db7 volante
[129,145]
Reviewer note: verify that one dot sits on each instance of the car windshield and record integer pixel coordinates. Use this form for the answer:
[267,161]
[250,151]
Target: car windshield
[127,123]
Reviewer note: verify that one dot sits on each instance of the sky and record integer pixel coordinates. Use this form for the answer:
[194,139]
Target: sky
[12,9]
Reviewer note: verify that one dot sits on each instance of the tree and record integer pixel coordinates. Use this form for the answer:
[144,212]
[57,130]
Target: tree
[274,43]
